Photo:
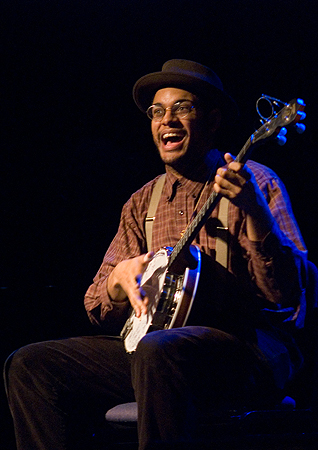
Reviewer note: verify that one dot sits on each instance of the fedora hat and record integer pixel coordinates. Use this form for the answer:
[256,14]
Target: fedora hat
[190,76]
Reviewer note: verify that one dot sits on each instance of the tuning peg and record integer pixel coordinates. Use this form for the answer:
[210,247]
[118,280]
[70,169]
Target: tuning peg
[302,115]
[281,140]
[300,128]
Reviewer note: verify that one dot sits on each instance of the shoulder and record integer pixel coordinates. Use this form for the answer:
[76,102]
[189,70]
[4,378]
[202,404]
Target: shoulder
[263,174]
[139,200]
[146,190]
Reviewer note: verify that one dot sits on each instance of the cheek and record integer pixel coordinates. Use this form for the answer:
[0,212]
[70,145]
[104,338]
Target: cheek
[197,133]
[154,131]
[192,127]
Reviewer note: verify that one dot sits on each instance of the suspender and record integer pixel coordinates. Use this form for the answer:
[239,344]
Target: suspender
[222,230]
[222,234]
[155,197]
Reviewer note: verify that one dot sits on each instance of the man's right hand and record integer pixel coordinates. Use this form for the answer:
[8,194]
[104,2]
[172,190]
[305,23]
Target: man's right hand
[124,282]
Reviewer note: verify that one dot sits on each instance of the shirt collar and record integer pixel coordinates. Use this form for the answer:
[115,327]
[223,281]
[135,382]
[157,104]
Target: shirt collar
[214,160]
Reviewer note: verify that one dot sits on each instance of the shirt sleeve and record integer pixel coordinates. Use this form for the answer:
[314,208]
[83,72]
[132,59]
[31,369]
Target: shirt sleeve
[278,264]
[128,243]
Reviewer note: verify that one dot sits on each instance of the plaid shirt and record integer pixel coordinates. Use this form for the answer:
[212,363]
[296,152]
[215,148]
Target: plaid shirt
[274,267]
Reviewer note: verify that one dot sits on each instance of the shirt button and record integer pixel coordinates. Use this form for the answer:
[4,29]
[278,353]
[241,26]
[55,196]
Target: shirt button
[181,212]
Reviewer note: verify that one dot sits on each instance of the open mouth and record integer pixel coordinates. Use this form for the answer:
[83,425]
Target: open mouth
[172,138]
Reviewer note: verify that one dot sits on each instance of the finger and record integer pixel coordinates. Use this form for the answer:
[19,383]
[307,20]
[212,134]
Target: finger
[142,293]
[148,257]
[226,188]
[228,158]
[241,173]
[227,178]
[135,293]
[138,280]
[233,165]
[139,304]
[235,173]
[138,298]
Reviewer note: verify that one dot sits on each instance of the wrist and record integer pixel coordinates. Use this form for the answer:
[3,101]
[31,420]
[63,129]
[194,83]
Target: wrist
[257,228]
[114,289]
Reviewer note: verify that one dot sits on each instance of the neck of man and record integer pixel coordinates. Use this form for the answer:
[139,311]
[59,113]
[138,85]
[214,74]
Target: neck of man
[199,169]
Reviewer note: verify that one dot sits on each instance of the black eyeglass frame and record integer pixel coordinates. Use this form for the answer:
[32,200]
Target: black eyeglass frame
[174,110]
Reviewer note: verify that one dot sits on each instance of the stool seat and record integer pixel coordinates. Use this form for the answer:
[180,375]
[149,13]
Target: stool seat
[128,412]
[261,429]
[124,415]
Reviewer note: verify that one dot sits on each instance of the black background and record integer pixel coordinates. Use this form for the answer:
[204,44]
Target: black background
[74,146]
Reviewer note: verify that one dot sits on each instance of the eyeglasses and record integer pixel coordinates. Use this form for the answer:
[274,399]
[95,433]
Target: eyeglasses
[179,109]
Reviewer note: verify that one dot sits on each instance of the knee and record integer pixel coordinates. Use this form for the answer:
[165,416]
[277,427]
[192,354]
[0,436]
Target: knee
[150,347]
[22,362]
[159,346]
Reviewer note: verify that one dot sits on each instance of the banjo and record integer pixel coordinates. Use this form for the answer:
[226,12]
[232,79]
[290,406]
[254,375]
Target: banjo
[172,276]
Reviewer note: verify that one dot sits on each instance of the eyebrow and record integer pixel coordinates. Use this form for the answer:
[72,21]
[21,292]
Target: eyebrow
[177,101]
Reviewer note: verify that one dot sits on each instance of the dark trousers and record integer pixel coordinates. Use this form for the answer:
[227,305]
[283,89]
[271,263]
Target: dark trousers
[59,391]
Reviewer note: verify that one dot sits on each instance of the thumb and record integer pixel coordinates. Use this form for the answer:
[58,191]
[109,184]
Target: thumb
[148,257]
[228,158]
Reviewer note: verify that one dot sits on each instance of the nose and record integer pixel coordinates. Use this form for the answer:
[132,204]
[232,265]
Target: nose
[168,116]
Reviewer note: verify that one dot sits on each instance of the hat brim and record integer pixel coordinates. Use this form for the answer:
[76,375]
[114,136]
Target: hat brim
[146,87]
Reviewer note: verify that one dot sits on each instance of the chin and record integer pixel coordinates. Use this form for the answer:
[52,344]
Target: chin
[175,163]
[171,157]
[171,161]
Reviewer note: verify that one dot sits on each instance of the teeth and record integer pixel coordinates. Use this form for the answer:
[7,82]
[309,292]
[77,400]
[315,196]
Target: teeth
[167,135]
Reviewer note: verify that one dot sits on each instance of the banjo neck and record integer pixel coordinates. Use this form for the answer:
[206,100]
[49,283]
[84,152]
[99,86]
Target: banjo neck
[291,113]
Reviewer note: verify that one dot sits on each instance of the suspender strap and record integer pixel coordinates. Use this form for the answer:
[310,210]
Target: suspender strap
[222,234]
[155,197]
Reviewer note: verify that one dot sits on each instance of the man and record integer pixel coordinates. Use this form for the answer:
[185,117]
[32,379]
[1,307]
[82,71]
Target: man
[232,354]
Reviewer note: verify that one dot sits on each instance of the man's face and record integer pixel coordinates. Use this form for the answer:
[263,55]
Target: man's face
[179,140]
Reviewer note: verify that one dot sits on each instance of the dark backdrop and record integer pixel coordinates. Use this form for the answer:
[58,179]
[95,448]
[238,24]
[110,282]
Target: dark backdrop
[74,146]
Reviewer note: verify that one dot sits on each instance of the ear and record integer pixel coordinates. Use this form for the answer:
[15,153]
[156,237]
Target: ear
[214,119]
